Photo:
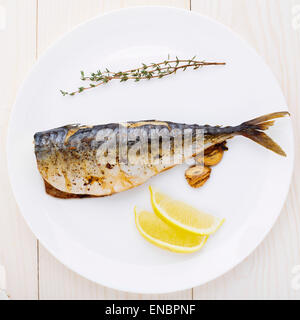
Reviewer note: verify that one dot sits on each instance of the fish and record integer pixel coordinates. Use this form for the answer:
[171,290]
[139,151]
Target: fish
[78,161]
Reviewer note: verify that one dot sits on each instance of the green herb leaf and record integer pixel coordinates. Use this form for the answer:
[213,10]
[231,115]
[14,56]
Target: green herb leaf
[153,70]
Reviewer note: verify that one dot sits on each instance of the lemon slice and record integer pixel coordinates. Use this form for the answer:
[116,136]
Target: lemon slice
[183,216]
[164,236]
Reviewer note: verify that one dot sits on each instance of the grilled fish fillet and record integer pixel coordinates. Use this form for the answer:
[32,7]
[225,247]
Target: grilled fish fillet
[71,165]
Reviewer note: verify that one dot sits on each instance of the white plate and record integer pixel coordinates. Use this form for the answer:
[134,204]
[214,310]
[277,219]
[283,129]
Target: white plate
[97,238]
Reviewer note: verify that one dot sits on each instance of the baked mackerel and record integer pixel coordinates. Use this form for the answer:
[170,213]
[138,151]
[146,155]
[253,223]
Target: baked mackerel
[78,161]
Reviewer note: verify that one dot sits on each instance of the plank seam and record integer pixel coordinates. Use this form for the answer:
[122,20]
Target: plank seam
[36,57]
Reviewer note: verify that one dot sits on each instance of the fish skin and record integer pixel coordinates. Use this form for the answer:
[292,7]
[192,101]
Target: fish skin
[69,162]
[67,157]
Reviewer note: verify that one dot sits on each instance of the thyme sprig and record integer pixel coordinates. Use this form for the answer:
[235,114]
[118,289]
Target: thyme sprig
[145,72]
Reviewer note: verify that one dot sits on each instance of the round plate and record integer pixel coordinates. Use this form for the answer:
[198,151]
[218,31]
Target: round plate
[97,237]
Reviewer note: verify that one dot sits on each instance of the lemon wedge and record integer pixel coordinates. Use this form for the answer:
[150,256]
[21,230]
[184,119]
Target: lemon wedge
[162,235]
[183,216]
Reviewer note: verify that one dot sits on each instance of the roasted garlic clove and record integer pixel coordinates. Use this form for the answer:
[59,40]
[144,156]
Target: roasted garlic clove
[196,176]
[212,155]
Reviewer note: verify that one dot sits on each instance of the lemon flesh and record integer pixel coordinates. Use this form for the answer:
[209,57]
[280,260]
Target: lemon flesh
[164,236]
[183,216]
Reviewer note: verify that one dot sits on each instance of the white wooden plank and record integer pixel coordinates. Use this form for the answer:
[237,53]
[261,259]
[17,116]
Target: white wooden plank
[57,17]
[268,26]
[117,4]
[56,281]
[18,246]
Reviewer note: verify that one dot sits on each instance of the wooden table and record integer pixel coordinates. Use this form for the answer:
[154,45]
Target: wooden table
[29,27]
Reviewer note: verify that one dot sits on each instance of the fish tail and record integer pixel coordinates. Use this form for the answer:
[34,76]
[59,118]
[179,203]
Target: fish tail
[254,128]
